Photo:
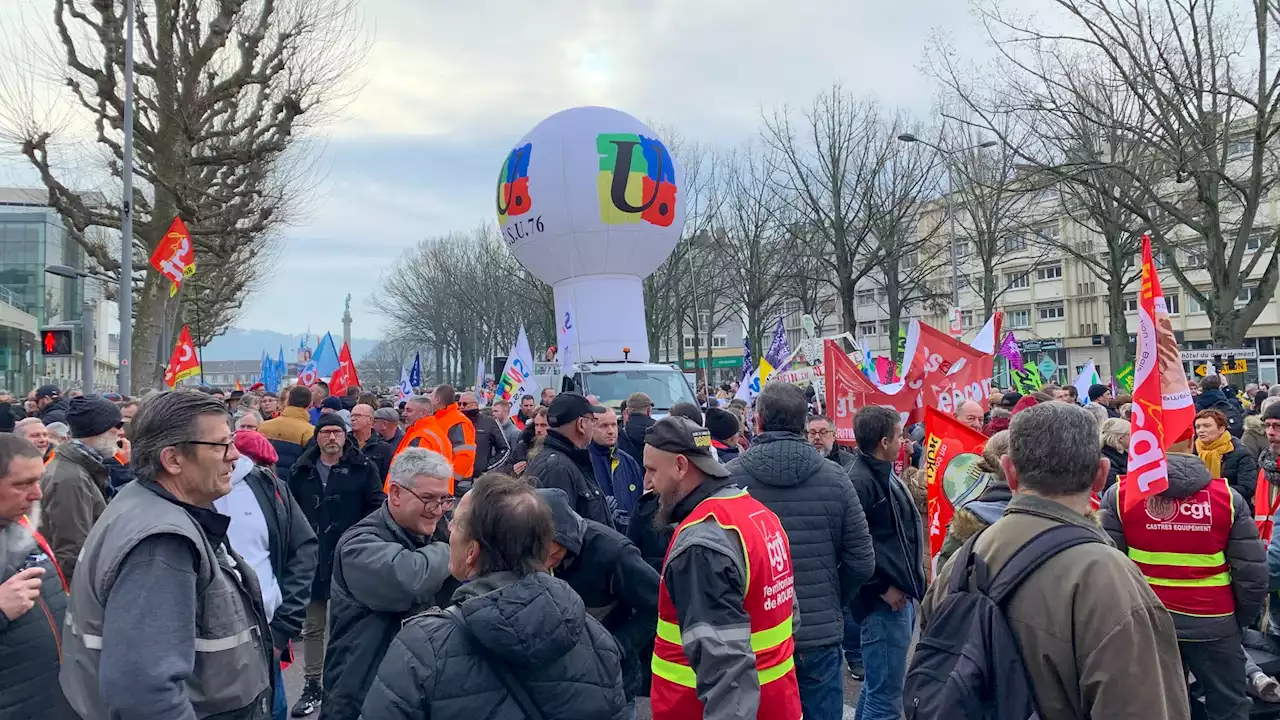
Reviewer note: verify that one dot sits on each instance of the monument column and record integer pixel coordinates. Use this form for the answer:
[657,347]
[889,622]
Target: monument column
[346,322]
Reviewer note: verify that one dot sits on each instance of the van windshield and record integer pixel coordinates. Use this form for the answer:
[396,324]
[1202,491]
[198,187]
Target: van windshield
[664,387]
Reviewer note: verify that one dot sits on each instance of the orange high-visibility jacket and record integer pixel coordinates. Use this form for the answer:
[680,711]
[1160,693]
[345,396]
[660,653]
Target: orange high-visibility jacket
[461,434]
[426,433]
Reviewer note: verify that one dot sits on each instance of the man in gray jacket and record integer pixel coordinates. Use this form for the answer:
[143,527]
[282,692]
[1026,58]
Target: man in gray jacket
[166,619]
[830,545]
[1209,643]
[389,566]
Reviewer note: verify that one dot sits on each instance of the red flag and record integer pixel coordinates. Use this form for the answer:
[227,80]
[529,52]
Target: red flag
[952,451]
[848,389]
[345,376]
[944,372]
[238,386]
[175,255]
[184,362]
[1162,405]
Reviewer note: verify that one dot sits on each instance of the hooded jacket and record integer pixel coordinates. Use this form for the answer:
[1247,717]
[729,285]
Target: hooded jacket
[617,586]
[830,545]
[1245,555]
[567,662]
[75,487]
[352,492]
[1255,436]
[896,534]
[382,575]
[562,465]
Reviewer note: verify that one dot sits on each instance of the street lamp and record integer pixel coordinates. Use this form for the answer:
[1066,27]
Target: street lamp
[951,215]
[86,324]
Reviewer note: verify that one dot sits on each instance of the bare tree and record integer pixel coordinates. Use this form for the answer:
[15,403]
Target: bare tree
[384,361]
[824,171]
[1200,73]
[225,88]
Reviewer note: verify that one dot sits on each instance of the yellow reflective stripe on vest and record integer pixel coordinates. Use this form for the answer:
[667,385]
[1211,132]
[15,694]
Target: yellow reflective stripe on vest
[1212,581]
[1177,559]
[684,676]
[766,639]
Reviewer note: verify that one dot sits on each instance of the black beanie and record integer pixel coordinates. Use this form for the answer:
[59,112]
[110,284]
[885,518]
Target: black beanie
[722,424]
[1097,391]
[91,415]
[1271,413]
[331,419]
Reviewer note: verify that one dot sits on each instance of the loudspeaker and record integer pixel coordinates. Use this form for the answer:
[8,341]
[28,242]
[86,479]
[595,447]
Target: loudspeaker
[499,363]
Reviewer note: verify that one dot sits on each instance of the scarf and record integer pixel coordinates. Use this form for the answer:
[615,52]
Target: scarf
[1267,461]
[1211,453]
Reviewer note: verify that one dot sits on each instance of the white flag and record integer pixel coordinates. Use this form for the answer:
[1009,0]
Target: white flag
[406,388]
[480,382]
[517,376]
[1087,378]
[567,336]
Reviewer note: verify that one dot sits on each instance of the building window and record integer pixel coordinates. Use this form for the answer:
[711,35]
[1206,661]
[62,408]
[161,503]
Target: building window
[1194,306]
[1017,280]
[1131,303]
[865,297]
[1239,147]
[1197,256]
[1050,233]
[1254,241]
[1171,303]
[1052,311]
[884,327]
[963,248]
[966,318]
[1051,272]
[1014,243]
[866,328]
[909,261]
[1244,296]
[1019,318]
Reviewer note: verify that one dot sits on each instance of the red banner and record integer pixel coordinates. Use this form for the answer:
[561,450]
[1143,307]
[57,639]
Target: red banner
[184,362]
[944,372]
[849,389]
[952,451]
[345,376]
[175,255]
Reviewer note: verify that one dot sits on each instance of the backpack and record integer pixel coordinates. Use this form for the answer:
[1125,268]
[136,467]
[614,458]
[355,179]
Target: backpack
[967,665]
[1234,412]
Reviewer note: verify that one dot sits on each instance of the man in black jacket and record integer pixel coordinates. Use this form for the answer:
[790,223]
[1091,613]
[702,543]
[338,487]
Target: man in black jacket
[564,461]
[886,604]
[637,422]
[617,586]
[53,407]
[491,444]
[369,441]
[830,546]
[270,532]
[822,434]
[388,567]
[336,486]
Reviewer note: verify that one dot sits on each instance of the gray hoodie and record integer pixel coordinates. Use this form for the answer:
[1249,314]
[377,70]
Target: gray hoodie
[1246,556]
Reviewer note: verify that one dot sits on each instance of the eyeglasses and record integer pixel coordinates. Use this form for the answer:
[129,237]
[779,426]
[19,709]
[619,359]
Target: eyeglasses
[431,504]
[332,431]
[820,433]
[224,445]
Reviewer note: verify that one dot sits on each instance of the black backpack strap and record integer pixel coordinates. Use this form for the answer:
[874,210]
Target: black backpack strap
[499,667]
[1036,552]
[967,564]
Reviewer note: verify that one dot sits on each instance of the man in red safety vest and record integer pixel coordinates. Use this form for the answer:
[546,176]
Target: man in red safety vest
[726,600]
[1197,546]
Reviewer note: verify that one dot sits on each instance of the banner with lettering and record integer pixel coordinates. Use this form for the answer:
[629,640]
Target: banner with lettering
[952,451]
[1027,380]
[175,255]
[944,371]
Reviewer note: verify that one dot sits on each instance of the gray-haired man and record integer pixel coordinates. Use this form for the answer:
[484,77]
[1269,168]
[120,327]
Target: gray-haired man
[387,567]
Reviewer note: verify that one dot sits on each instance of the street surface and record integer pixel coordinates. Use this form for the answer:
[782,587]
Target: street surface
[293,687]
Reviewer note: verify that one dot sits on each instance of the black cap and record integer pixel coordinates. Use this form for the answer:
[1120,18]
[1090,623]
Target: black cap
[682,436]
[568,407]
[331,403]
[1010,399]
[48,391]
[1097,391]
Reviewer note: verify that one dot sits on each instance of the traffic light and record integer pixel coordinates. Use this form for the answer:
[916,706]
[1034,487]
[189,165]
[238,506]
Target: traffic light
[55,342]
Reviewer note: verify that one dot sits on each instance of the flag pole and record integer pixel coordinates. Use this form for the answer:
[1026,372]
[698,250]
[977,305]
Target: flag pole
[125,380]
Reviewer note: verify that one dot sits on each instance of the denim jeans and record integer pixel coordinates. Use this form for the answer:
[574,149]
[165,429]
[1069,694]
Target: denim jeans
[886,637]
[280,706]
[821,682]
[852,640]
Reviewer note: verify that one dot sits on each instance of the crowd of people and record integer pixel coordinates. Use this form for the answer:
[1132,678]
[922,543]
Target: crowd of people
[164,557]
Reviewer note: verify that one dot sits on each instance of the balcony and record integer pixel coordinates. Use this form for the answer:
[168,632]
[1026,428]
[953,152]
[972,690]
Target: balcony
[13,299]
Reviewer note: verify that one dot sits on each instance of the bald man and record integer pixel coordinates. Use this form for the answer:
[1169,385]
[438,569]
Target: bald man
[970,413]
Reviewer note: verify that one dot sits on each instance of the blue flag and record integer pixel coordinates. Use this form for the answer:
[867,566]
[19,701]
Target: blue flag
[778,349]
[325,358]
[281,370]
[415,372]
[265,370]
[748,366]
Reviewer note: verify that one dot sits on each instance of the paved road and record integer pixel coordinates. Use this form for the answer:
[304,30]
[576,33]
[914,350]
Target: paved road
[293,686]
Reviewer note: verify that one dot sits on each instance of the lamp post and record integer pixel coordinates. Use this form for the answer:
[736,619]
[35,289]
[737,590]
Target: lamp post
[126,213]
[951,214]
[87,339]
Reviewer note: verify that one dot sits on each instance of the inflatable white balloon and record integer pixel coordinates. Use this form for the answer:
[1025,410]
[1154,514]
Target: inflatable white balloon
[591,202]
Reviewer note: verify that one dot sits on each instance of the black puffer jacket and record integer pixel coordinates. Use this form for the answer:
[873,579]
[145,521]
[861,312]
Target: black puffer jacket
[896,534]
[55,411]
[1246,556]
[354,490]
[1240,469]
[30,645]
[378,450]
[830,546]
[382,575]
[561,465]
[568,663]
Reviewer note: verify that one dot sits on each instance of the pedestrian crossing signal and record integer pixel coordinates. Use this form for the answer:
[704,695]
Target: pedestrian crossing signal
[55,342]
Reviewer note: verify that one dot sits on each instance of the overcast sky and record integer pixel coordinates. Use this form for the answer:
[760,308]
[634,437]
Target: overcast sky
[449,87]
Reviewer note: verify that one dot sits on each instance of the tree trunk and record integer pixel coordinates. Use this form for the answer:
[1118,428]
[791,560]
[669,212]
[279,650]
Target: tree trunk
[1117,326]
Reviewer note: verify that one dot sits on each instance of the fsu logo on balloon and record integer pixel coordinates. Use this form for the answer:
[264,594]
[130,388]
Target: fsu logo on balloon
[514,199]
[633,185]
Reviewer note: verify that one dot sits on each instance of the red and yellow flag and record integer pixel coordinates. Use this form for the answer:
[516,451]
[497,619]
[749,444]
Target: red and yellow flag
[175,255]
[952,451]
[184,362]
[1163,411]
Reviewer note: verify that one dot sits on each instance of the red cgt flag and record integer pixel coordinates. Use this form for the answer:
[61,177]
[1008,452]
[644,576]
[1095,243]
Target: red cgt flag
[1162,407]
[184,362]
[345,376]
[175,255]
[942,372]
